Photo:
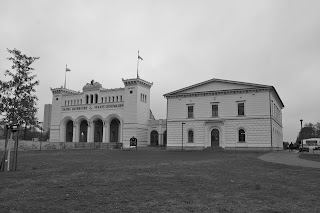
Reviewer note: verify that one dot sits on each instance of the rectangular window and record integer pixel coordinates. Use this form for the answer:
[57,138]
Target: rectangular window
[215,110]
[240,109]
[190,111]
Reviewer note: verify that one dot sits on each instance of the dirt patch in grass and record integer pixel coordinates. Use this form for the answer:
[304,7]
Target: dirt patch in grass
[161,181]
[312,157]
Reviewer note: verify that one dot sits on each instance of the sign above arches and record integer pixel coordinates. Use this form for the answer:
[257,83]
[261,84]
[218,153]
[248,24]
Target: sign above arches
[92,107]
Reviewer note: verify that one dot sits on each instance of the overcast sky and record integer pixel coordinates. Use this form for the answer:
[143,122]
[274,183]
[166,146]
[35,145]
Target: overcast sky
[273,42]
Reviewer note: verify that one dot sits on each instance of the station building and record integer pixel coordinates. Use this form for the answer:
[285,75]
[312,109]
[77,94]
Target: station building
[214,113]
[104,115]
[227,114]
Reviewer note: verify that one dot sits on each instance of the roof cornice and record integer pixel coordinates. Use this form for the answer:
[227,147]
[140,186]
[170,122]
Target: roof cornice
[217,92]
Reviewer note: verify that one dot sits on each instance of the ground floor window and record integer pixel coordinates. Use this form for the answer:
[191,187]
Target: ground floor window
[242,136]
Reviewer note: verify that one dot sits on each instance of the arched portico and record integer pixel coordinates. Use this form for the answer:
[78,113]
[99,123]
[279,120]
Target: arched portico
[98,130]
[67,129]
[83,133]
[114,130]
[81,129]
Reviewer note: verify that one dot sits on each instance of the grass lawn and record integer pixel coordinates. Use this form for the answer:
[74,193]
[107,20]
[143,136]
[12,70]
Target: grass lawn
[156,181]
[312,157]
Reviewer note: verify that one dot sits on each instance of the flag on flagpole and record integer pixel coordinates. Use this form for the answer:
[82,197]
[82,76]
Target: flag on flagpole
[139,57]
[67,69]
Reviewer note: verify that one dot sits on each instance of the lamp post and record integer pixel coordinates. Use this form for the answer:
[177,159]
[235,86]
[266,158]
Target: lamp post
[301,136]
[182,135]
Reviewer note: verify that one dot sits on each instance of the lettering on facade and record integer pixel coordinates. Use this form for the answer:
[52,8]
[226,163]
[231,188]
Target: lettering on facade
[103,106]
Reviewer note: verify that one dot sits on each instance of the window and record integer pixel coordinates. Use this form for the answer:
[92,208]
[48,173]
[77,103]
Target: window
[190,111]
[131,91]
[240,109]
[120,97]
[96,98]
[190,136]
[242,136]
[91,97]
[80,101]
[112,98]
[215,110]
[87,99]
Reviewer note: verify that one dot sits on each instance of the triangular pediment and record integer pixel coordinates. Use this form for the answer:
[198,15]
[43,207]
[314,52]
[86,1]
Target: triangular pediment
[214,85]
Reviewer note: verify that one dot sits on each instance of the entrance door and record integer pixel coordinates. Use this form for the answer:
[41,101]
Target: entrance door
[215,137]
[154,138]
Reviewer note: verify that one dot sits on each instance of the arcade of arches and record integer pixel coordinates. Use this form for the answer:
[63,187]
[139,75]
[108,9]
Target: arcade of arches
[155,138]
[95,130]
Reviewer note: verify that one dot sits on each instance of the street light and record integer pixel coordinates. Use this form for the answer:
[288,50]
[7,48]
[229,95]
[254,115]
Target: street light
[301,136]
[182,136]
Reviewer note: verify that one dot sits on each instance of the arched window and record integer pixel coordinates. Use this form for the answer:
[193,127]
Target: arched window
[112,98]
[117,99]
[96,96]
[65,103]
[91,97]
[242,136]
[80,101]
[68,103]
[87,99]
[120,97]
[190,136]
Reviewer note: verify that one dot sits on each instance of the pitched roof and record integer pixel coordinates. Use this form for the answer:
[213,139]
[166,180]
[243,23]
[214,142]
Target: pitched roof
[249,85]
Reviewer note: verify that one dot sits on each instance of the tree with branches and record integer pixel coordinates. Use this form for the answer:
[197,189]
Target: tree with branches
[18,98]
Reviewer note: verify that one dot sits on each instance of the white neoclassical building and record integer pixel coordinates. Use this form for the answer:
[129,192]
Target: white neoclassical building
[227,114]
[214,113]
[105,115]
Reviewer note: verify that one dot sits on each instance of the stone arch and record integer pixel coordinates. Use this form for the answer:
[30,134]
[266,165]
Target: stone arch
[237,132]
[82,128]
[66,129]
[114,128]
[97,131]
[190,135]
[212,132]
[154,138]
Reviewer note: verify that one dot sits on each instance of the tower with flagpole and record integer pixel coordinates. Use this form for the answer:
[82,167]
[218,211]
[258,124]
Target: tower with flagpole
[65,76]
[139,58]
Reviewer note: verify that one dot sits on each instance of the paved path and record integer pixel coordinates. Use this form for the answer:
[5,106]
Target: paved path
[288,158]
